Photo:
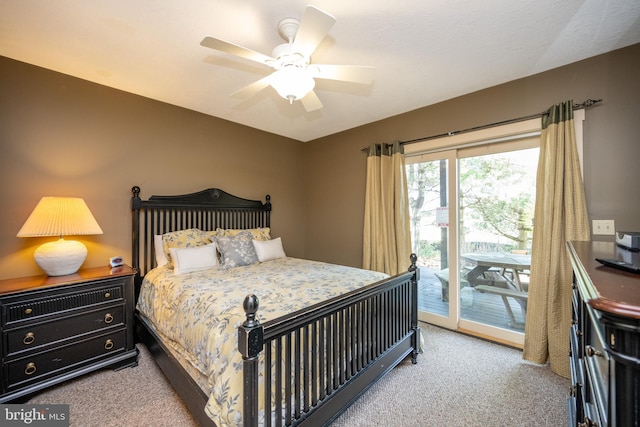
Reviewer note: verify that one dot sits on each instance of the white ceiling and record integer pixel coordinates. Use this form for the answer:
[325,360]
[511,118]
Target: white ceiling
[424,51]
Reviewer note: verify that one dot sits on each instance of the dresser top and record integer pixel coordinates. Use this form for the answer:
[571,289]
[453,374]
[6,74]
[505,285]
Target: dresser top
[606,288]
[20,284]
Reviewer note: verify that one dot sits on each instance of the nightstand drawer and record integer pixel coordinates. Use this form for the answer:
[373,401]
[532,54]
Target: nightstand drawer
[19,308]
[34,336]
[48,364]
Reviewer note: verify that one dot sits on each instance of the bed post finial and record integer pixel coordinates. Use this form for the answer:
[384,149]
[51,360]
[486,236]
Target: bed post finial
[413,267]
[136,191]
[250,306]
[250,344]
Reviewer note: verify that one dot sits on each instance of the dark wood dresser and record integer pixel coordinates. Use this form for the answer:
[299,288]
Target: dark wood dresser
[57,328]
[605,338]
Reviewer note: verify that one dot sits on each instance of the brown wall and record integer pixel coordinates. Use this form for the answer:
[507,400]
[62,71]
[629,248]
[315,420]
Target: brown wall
[335,165]
[64,136]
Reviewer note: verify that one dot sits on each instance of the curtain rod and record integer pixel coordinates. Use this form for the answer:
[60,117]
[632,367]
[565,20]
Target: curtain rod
[585,104]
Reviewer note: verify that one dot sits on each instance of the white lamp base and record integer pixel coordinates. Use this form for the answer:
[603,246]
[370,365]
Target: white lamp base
[60,258]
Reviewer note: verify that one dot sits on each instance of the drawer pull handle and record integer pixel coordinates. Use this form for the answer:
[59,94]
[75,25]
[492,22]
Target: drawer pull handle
[593,352]
[30,369]
[108,344]
[108,318]
[29,338]
[28,311]
[107,295]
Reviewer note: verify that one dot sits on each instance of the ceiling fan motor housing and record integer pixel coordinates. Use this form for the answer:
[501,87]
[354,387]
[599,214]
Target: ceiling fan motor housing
[285,57]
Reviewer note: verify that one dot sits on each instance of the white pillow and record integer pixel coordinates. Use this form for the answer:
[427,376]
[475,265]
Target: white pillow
[269,249]
[161,257]
[187,260]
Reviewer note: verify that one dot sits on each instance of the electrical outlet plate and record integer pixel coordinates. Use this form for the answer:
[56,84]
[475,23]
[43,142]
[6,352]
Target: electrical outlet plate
[604,227]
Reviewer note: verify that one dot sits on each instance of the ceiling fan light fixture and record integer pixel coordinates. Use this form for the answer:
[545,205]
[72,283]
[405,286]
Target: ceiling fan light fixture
[292,83]
[294,75]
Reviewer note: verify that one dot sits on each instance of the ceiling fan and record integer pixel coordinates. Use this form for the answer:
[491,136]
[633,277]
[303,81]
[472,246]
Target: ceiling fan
[294,73]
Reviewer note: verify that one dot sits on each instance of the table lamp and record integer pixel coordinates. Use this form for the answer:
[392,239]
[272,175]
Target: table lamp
[60,216]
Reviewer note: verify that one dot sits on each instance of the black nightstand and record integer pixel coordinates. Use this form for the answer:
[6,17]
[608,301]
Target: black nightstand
[57,328]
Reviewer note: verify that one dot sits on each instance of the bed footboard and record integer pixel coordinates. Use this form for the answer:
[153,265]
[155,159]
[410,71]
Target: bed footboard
[316,362]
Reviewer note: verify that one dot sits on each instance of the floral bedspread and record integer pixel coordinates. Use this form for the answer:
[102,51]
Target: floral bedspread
[201,312]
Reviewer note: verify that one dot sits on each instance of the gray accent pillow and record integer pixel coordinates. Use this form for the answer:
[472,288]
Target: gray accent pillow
[237,250]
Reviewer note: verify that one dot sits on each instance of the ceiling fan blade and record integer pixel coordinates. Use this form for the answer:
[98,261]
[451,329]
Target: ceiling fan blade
[347,73]
[314,26]
[252,88]
[311,102]
[223,46]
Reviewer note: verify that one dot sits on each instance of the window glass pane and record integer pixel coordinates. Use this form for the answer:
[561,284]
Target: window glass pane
[428,192]
[496,205]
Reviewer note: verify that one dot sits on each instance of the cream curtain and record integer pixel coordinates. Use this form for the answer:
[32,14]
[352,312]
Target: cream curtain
[387,236]
[560,216]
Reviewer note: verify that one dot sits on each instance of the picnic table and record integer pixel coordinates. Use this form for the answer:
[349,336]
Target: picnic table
[500,273]
[508,267]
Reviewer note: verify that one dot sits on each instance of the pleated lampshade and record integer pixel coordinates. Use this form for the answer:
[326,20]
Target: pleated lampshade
[60,216]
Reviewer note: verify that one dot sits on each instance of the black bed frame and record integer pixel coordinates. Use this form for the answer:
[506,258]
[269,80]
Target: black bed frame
[340,347]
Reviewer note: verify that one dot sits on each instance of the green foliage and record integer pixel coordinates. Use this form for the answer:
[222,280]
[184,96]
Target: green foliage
[428,249]
[496,195]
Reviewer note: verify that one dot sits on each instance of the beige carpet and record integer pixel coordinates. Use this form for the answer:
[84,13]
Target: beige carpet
[458,381]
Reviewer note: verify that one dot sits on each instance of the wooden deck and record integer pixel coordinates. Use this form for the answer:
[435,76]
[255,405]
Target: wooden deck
[477,306]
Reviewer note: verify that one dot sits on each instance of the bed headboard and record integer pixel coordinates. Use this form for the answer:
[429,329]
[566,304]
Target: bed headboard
[207,210]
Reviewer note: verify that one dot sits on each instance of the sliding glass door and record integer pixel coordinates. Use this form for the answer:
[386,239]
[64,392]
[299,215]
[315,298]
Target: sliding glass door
[429,178]
[471,224]
[495,221]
